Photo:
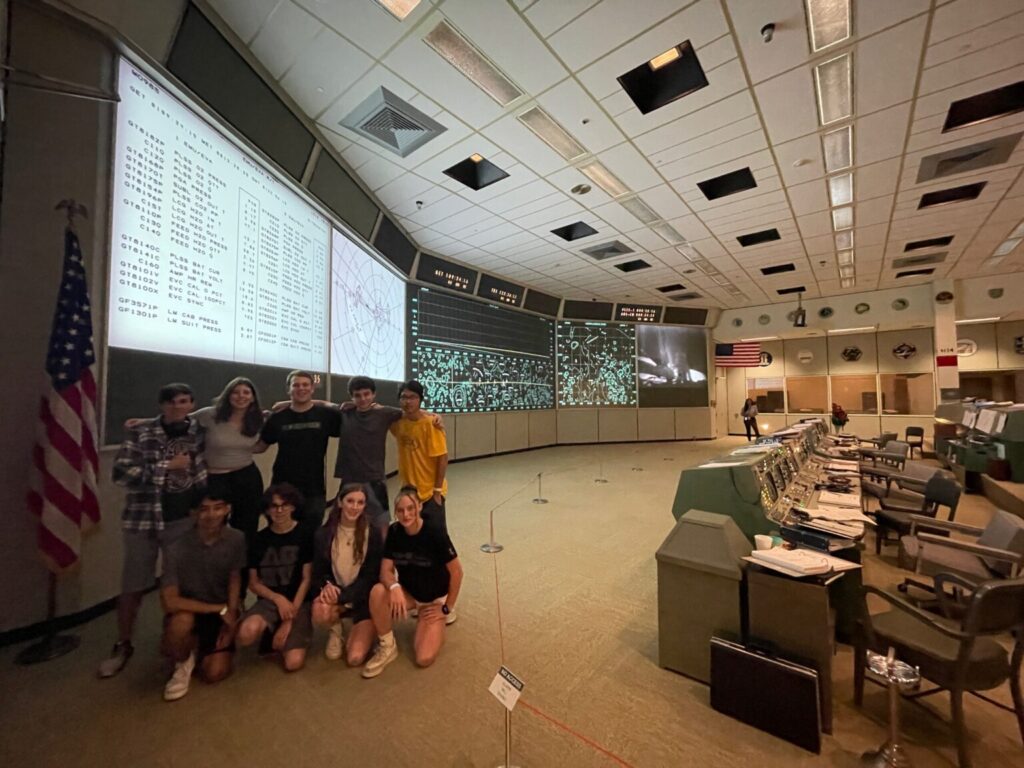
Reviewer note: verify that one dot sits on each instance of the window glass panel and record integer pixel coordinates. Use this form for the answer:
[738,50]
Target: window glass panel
[807,394]
[993,385]
[768,393]
[907,393]
[856,394]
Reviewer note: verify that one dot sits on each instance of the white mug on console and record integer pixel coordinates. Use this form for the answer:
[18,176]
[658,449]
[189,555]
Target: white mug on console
[762,542]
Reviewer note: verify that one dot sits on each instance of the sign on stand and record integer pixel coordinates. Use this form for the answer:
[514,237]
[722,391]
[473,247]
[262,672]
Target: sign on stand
[506,688]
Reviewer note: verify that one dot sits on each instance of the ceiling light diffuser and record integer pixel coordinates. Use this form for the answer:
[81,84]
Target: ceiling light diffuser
[667,57]
[972,320]
[828,22]
[845,257]
[848,282]
[551,133]
[833,81]
[847,270]
[842,218]
[1006,247]
[640,209]
[858,329]
[668,233]
[605,179]
[840,189]
[844,240]
[398,8]
[838,146]
[461,54]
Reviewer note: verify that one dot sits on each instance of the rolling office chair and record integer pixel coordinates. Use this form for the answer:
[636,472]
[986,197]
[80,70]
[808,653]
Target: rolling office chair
[958,656]
[915,439]
[906,486]
[941,490]
[881,440]
[892,455]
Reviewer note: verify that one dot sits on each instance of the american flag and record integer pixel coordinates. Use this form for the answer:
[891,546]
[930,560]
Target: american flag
[744,354]
[64,460]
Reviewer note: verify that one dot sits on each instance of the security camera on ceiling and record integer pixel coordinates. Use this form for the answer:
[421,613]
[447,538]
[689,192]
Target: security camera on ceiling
[800,316]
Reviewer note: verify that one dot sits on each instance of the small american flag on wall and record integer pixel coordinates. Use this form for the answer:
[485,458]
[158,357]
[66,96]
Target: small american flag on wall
[742,354]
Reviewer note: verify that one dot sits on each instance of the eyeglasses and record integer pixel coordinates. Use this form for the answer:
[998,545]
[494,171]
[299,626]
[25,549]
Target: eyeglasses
[282,505]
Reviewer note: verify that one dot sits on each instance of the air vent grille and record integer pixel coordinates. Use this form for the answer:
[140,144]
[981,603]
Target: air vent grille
[970,158]
[607,250]
[396,125]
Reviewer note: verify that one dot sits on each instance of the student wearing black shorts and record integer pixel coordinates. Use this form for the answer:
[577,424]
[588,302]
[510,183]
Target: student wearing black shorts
[200,590]
[280,570]
[346,564]
[420,570]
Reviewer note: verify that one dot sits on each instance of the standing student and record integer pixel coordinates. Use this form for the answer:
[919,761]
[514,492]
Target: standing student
[161,464]
[749,414]
[302,431]
[420,570]
[346,565]
[422,453]
[200,592]
[280,570]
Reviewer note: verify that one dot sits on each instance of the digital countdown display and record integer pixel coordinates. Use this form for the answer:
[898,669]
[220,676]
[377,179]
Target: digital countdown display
[445,274]
[638,313]
[474,357]
[499,290]
[596,364]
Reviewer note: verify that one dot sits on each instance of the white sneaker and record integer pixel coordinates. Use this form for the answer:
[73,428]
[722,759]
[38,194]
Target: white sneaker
[335,641]
[119,656]
[450,618]
[177,686]
[384,655]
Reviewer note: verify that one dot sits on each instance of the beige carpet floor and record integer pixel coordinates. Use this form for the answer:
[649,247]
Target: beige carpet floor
[576,586]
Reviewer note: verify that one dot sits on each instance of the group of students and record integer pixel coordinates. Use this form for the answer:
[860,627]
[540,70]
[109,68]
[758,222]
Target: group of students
[189,473]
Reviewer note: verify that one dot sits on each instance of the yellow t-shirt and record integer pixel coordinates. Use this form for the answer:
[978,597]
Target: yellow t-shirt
[419,445]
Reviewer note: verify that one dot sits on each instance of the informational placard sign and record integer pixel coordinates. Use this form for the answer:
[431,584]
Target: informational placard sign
[506,688]
[212,255]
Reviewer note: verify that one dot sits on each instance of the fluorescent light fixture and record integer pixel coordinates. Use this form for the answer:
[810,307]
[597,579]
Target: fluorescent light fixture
[605,179]
[640,209]
[973,320]
[838,147]
[762,338]
[667,57]
[845,257]
[860,329]
[828,21]
[668,233]
[847,270]
[704,266]
[992,261]
[1019,231]
[461,54]
[842,218]
[398,8]
[840,189]
[720,279]
[551,133]
[832,79]
[1006,247]
[848,282]
[844,240]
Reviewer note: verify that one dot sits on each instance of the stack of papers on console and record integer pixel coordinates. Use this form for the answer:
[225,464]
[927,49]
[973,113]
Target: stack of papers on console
[839,499]
[799,562]
[842,465]
[830,512]
[754,449]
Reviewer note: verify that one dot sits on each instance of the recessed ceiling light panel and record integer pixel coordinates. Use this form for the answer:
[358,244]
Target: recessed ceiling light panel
[463,55]
[756,238]
[833,80]
[398,8]
[983,107]
[828,22]
[840,189]
[952,195]
[574,231]
[845,257]
[669,76]
[778,269]
[551,133]
[640,209]
[838,147]
[842,218]
[727,184]
[605,179]
[668,233]
[844,240]
[933,242]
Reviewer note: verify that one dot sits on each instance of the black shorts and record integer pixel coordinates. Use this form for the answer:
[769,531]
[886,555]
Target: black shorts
[207,630]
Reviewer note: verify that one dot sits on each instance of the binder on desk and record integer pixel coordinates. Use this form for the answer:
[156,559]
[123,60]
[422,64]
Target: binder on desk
[774,695]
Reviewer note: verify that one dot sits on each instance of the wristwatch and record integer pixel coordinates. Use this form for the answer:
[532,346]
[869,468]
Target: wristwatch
[224,611]
[445,609]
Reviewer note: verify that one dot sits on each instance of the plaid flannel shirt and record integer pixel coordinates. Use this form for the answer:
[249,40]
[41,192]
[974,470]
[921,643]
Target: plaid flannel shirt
[141,466]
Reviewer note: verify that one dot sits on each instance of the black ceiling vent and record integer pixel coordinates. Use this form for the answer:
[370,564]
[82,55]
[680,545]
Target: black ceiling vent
[778,269]
[574,231]
[917,261]
[665,78]
[985,106]
[476,172]
[756,238]
[386,120]
[952,195]
[727,184]
[632,266]
[970,158]
[933,242]
[685,296]
[673,287]
[915,272]
[796,289]
[608,250]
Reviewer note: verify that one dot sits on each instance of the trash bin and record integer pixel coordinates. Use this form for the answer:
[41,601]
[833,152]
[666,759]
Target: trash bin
[700,578]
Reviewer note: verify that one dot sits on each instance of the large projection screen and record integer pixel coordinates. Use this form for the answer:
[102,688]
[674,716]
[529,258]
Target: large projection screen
[367,314]
[212,256]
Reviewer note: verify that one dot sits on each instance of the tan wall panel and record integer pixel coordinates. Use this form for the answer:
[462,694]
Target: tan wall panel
[617,425]
[921,361]
[475,435]
[658,423]
[862,425]
[984,335]
[865,342]
[513,431]
[794,349]
[1006,346]
[543,428]
[694,423]
[577,425]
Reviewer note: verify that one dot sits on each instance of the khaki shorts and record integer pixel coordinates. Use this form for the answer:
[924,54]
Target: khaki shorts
[141,551]
[301,634]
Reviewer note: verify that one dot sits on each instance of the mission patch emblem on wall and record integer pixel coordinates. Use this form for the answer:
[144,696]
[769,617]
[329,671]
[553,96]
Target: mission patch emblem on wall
[904,351]
[966,347]
[943,297]
[766,359]
[851,354]
[1018,345]
[805,356]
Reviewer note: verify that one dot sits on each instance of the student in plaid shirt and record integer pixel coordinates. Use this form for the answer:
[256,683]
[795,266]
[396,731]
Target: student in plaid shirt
[161,464]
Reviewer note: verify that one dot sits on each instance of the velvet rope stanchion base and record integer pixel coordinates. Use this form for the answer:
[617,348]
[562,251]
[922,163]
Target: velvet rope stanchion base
[52,646]
[540,493]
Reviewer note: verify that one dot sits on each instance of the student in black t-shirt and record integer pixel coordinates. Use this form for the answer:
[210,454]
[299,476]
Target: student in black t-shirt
[302,431]
[280,566]
[346,564]
[420,570]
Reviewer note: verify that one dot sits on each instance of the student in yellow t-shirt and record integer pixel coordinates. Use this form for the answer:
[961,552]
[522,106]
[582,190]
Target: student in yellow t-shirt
[422,453]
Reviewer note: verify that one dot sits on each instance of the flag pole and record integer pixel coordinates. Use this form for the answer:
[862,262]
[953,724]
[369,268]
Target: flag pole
[52,645]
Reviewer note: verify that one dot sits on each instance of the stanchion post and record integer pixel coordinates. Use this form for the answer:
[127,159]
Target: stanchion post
[540,492]
[491,547]
[600,473]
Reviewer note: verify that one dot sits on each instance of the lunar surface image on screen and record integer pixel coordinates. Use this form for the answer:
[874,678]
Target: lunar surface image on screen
[596,364]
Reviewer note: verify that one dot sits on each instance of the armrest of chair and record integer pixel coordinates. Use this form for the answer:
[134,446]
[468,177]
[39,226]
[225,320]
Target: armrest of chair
[889,506]
[908,483]
[946,605]
[924,617]
[965,546]
[897,458]
[947,525]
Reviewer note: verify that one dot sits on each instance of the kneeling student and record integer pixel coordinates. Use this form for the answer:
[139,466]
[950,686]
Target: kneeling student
[346,565]
[200,595]
[280,566]
[420,570]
